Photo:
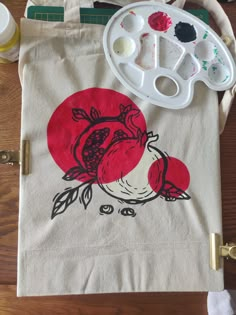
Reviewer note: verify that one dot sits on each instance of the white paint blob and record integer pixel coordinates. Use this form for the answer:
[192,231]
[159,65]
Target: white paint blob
[124,46]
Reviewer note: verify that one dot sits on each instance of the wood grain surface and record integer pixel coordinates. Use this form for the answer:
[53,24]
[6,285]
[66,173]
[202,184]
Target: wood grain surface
[103,304]
[155,303]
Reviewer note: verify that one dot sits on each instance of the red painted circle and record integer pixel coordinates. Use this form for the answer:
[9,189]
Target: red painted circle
[63,132]
[155,175]
[177,173]
[160,21]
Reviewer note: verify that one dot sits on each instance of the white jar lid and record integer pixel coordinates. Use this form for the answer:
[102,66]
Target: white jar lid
[7,25]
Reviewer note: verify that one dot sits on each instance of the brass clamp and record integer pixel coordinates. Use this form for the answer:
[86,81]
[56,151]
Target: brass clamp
[9,157]
[21,157]
[217,251]
[228,250]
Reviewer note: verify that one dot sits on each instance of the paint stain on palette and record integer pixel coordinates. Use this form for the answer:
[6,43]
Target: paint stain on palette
[152,47]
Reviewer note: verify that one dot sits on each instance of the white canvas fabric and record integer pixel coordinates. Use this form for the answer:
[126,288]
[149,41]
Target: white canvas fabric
[223,302]
[122,194]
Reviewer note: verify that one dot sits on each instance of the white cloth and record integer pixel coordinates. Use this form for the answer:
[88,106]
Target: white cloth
[82,251]
[221,303]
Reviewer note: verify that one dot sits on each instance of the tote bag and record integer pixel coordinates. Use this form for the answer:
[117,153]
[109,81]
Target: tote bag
[122,195]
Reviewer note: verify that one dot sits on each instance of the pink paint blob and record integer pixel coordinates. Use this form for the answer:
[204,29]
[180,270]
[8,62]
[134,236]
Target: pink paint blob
[145,35]
[132,12]
[160,21]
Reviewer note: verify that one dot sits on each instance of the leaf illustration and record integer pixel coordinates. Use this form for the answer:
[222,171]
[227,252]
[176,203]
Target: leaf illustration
[64,200]
[173,193]
[87,195]
[79,114]
[134,112]
[73,173]
[183,195]
[150,134]
[94,113]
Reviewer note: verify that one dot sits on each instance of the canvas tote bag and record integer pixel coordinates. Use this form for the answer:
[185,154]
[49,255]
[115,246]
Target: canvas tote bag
[122,195]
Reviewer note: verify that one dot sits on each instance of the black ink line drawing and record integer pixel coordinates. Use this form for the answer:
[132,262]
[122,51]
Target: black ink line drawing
[106,209]
[105,145]
[128,212]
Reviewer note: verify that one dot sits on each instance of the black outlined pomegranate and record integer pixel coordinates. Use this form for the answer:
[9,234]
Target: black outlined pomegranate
[115,153]
[139,185]
[102,132]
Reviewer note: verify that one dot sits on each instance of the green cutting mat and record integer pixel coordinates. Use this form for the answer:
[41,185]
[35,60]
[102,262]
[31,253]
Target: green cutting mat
[44,13]
[89,15]
[202,14]
[96,16]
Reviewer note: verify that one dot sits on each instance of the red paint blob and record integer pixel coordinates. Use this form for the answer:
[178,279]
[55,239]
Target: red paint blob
[63,132]
[155,175]
[160,21]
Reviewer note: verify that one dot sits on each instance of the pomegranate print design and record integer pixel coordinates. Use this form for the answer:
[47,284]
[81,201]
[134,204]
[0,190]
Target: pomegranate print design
[99,137]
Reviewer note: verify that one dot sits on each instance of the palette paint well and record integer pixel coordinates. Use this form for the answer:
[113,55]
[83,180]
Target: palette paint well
[160,21]
[185,32]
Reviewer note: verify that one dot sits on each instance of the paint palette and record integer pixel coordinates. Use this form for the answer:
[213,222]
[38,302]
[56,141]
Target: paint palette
[158,52]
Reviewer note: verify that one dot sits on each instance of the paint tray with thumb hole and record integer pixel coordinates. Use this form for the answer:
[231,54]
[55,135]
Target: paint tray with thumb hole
[159,52]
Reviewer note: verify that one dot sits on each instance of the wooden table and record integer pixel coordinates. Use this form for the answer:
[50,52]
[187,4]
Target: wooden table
[150,303]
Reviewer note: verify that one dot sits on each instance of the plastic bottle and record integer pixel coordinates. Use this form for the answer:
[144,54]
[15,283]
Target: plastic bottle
[9,36]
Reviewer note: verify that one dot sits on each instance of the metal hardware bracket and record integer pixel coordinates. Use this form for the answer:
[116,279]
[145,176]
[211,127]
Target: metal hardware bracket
[21,157]
[217,251]
[9,157]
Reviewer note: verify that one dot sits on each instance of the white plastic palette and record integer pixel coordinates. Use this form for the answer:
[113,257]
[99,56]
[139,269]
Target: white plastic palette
[158,52]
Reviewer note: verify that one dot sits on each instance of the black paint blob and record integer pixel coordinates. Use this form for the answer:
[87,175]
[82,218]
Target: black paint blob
[185,32]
